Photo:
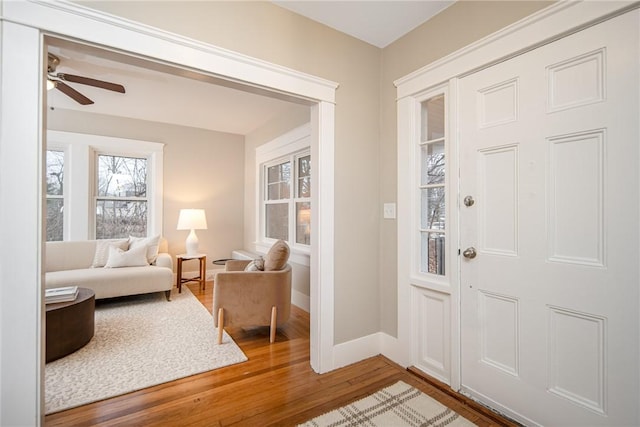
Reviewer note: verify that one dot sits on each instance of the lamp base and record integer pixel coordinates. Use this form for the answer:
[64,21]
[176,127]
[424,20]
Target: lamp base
[191,243]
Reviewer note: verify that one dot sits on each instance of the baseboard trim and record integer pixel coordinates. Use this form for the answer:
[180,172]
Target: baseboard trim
[301,300]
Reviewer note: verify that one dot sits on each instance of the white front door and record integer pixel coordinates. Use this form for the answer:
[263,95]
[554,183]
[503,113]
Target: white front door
[549,305]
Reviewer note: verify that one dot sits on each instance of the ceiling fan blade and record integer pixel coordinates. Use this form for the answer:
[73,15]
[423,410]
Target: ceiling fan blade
[91,82]
[72,93]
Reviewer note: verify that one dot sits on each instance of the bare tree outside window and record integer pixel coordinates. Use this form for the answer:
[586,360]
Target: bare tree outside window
[55,195]
[121,202]
[432,185]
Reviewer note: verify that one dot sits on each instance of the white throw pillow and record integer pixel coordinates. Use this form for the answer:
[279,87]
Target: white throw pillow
[132,258]
[102,250]
[151,243]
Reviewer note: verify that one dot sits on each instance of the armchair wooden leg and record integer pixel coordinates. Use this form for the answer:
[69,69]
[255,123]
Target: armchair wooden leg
[274,316]
[220,324]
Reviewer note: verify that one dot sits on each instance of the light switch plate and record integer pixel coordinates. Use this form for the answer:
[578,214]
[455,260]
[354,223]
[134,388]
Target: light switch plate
[389,211]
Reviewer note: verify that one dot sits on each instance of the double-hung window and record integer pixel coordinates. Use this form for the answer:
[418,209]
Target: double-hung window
[287,199]
[121,196]
[284,197]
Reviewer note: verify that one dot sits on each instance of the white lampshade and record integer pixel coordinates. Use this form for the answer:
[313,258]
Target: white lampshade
[192,219]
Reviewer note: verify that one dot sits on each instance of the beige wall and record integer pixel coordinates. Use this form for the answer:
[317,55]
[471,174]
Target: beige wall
[202,169]
[365,151]
[454,28]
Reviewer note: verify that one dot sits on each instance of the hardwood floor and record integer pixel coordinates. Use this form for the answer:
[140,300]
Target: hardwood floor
[275,387]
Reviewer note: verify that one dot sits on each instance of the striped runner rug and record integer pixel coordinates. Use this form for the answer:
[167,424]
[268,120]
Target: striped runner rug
[394,406]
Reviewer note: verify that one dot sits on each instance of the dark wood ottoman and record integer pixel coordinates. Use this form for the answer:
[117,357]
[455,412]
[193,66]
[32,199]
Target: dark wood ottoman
[70,325]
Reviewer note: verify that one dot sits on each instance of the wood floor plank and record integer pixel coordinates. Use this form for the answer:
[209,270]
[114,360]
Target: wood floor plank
[275,387]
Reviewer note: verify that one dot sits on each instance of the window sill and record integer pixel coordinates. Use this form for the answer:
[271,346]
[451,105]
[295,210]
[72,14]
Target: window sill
[297,255]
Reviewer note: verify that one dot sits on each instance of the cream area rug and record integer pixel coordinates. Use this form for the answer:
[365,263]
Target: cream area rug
[394,406]
[139,341]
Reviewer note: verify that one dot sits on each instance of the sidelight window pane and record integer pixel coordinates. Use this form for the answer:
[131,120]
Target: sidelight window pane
[433,253]
[433,209]
[432,163]
[432,118]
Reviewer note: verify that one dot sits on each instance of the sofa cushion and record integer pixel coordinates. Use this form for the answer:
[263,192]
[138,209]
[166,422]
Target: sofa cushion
[151,243]
[134,257]
[102,250]
[277,256]
[115,282]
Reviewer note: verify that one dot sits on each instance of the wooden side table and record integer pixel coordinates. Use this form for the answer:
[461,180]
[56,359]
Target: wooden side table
[201,278]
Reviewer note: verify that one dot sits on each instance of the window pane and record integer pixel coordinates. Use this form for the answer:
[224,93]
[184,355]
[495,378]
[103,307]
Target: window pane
[278,181]
[433,252]
[433,163]
[120,218]
[55,172]
[122,176]
[432,112]
[277,221]
[304,176]
[432,213]
[55,219]
[303,223]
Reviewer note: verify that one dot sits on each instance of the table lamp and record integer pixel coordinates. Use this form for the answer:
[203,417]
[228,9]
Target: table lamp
[192,219]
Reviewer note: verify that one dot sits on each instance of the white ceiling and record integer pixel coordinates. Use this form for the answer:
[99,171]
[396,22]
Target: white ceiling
[160,93]
[376,22]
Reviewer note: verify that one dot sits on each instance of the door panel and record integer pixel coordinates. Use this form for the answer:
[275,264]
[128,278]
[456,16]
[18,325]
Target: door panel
[549,306]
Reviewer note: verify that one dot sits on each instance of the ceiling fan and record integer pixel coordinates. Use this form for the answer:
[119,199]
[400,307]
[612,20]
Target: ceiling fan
[58,81]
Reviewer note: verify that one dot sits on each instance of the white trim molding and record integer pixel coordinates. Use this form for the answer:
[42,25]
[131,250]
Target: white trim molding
[548,24]
[24,25]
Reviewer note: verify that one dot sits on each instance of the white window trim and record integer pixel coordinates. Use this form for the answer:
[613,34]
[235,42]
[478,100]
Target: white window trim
[79,193]
[418,275]
[289,144]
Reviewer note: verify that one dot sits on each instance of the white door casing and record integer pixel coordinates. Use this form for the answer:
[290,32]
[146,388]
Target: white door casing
[549,307]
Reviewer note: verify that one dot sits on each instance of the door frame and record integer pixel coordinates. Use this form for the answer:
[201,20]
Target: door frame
[24,25]
[544,26]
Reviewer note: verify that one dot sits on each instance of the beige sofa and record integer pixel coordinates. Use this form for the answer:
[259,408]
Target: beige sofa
[77,263]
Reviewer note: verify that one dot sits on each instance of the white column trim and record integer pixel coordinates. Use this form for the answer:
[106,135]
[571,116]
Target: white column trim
[21,231]
[23,25]
[322,244]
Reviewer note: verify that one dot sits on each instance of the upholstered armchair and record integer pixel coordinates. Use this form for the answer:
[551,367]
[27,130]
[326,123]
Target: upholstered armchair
[244,295]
